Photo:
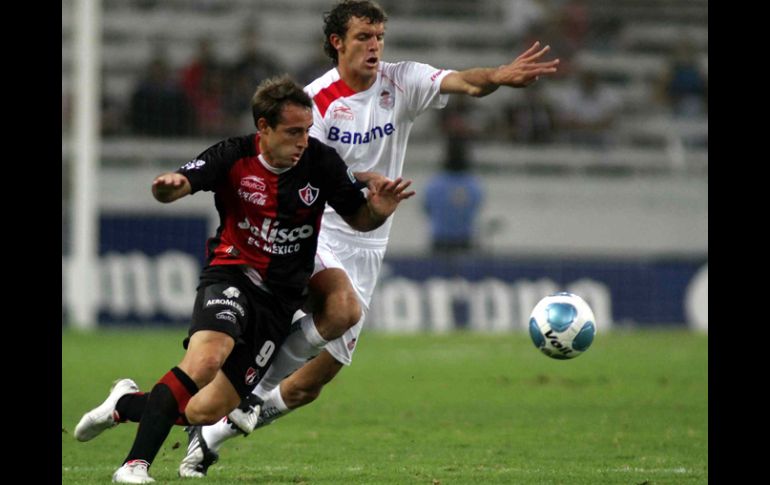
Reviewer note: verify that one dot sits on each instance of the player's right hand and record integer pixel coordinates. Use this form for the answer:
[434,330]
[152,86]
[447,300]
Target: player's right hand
[170,186]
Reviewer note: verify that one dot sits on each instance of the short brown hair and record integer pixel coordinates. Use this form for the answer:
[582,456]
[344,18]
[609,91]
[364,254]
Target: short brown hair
[336,20]
[273,94]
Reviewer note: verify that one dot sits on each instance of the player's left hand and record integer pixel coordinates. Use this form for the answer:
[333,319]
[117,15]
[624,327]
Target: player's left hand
[387,194]
[371,179]
[525,69]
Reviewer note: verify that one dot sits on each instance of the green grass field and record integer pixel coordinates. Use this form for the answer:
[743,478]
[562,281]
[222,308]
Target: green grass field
[451,409]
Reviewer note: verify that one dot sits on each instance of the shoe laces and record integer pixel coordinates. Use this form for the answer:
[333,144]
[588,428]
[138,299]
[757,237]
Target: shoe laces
[138,464]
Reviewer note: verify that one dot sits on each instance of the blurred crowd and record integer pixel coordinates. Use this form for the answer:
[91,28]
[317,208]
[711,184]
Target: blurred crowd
[209,97]
[206,97]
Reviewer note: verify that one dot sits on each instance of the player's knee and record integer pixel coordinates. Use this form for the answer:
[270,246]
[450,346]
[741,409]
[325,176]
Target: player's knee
[342,310]
[198,416]
[204,368]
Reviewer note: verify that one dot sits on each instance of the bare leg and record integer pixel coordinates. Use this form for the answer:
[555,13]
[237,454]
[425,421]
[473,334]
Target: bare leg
[304,386]
[334,303]
[212,402]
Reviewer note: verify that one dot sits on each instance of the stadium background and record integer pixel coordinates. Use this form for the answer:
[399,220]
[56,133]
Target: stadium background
[622,220]
[447,387]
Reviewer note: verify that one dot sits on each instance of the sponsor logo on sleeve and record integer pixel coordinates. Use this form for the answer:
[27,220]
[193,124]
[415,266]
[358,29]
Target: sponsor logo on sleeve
[225,302]
[232,292]
[228,315]
[193,165]
[436,75]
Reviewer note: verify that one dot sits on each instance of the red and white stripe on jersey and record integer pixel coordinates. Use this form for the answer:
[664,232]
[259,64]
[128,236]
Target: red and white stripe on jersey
[326,96]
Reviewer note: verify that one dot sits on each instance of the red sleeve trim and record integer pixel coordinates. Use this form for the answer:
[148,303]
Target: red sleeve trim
[326,96]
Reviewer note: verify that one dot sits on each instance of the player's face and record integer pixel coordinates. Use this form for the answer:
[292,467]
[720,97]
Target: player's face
[361,49]
[283,145]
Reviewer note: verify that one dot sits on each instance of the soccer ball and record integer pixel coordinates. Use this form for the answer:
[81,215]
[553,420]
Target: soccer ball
[562,326]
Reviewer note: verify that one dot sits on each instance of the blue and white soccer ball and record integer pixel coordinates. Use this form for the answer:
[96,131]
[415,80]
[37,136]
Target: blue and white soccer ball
[562,325]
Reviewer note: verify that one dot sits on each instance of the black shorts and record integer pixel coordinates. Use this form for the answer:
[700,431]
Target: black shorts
[228,302]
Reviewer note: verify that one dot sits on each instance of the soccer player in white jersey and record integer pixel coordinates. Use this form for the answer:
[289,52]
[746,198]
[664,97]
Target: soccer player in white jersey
[365,109]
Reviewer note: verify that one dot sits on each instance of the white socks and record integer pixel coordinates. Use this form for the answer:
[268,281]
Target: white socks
[272,408]
[218,433]
[298,347]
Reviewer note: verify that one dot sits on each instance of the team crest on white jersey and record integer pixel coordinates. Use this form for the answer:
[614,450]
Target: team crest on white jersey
[387,99]
[308,194]
[342,112]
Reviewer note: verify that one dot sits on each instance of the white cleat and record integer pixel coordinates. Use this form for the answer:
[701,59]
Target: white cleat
[134,471]
[245,417]
[245,421]
[104,416]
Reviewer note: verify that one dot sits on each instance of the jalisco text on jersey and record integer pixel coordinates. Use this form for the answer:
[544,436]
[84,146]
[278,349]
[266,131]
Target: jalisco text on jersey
[271,233]
[276,248]
[356,138]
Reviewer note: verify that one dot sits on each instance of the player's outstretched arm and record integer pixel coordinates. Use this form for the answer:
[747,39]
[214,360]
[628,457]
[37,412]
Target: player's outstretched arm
[382,201]
[481,81]
[168,187]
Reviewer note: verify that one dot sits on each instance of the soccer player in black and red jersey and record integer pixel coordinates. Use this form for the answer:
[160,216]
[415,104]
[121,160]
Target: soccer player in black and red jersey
[270,191]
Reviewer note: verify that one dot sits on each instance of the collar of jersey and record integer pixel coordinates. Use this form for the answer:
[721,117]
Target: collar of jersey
[269,167]
[351,91]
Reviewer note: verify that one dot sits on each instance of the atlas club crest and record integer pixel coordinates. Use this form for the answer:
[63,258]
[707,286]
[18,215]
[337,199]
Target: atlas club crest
[308,194]
[251,376]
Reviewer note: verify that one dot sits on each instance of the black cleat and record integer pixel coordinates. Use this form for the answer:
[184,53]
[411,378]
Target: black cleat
[199,457]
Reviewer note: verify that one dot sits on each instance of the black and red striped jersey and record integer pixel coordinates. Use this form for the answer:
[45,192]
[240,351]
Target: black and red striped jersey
[270,218]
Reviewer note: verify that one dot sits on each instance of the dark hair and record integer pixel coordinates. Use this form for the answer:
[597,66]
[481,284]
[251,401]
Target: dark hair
[273,94]
[336,20]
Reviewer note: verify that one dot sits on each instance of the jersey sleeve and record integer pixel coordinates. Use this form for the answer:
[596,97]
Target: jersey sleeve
[338,182]
[422,83]
[209,168]
[317,130]
[319,125]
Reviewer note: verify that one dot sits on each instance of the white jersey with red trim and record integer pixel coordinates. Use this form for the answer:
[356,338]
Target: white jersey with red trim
[370,129]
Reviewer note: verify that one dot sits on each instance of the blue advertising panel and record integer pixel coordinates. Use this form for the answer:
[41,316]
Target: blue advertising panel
[149,267]
[639,291]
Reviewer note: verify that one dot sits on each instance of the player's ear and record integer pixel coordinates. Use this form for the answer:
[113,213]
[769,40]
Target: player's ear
[336,41]
[262,125]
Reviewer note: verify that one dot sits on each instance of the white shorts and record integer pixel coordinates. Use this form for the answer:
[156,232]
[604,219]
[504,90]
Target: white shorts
[362,265]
